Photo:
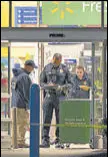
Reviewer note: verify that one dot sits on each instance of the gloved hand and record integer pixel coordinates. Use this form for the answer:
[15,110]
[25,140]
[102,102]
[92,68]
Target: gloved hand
[84,87]
[62,88]
[59,88]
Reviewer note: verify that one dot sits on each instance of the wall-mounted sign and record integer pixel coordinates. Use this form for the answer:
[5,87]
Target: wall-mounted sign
[26,16]
[81,13]
[56,35]
[71,61]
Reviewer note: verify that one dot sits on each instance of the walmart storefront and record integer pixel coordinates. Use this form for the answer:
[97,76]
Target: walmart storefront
[28,28]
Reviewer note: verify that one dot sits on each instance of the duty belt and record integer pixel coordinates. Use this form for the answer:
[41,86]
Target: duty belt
[52,91]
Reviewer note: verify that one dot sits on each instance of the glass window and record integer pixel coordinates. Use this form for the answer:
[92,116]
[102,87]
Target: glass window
[105,13]
[4,115]
[24,14]
[5,94]
[4,107]
[53,13]
[20,52]
[4,13]
[98,85]
[4,70]
[71,13]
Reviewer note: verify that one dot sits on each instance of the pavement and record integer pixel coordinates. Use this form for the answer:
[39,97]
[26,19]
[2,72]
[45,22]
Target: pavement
[52,152]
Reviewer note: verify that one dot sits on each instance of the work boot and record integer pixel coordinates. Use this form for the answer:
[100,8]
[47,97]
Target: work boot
[45,144]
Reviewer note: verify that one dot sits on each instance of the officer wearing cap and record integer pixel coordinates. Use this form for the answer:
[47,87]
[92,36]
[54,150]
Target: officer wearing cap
[54,74]
[20,85]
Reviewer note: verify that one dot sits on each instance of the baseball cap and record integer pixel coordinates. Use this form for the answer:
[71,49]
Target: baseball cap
[31,63]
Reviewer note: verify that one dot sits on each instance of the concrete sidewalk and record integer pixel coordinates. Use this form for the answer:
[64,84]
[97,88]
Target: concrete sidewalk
[52,152]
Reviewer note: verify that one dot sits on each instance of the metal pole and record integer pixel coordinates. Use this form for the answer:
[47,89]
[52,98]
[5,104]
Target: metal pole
[102,14]
[10,13]
[9,92]
[34,120]
[9,67]
[104,91]
[93,57]
[14,129]
[104,80]
[38,14]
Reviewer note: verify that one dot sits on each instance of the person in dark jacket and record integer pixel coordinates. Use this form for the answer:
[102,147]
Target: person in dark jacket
[20,86]
[81,84]
[54,74]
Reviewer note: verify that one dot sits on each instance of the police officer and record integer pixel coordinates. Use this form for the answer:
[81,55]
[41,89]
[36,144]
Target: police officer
[53,74]
[81,84]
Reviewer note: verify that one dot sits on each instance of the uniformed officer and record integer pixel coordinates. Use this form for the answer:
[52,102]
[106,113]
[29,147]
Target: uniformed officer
[53,74]
[81,84]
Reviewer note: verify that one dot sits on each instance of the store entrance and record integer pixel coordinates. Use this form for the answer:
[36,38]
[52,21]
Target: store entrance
[74,53]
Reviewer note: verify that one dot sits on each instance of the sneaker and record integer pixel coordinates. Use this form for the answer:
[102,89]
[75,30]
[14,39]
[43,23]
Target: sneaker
[45,144]
[23,146]
[58,145]
[55,141]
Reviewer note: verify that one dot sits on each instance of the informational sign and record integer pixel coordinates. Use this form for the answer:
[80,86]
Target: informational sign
[26,16]
[85,13]
[71,61]
[75,112]
[71,64]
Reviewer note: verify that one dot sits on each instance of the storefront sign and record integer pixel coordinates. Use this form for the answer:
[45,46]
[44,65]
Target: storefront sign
[72,13]
[56,35]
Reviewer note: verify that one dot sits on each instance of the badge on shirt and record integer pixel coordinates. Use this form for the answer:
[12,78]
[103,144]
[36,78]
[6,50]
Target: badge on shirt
[61,70]
[85,83]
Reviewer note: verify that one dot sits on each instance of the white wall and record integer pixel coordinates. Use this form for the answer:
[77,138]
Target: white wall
[67,51]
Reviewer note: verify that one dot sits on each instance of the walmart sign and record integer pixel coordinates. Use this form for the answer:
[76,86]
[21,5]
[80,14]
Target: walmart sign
[93,6]
[86,13]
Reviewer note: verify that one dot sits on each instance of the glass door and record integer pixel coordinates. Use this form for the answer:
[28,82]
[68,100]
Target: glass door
[5,90]
[99,80]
